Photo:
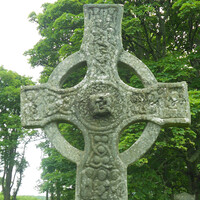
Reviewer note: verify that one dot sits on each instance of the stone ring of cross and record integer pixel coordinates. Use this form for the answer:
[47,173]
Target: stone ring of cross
[102,105]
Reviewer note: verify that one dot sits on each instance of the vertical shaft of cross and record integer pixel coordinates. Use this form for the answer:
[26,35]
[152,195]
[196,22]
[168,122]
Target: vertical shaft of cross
[102,41]
[102,175]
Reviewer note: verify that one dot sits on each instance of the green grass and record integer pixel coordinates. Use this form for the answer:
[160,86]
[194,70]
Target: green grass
[30,198]
[26,197]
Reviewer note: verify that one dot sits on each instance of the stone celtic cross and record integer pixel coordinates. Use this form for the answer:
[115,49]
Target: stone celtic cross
[102,105]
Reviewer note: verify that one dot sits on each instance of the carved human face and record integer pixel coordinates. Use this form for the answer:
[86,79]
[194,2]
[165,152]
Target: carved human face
[100,104]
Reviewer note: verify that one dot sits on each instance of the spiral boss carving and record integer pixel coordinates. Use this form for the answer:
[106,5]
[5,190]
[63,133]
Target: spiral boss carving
[102,105]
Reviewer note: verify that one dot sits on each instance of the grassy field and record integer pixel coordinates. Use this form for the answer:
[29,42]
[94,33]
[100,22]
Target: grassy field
[26,197]
[30,198]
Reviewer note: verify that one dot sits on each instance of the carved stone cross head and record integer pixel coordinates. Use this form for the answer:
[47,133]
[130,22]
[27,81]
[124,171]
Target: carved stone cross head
[102,105]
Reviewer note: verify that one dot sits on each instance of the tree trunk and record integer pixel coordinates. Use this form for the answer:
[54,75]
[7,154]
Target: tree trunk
[58,192]
[14,197]
[47,195]
[197,189]
[8,170]
[52,196]
[194,177]
[7,187]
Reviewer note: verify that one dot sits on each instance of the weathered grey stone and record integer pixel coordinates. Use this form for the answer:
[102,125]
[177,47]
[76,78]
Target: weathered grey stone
[101,106]
[184,196]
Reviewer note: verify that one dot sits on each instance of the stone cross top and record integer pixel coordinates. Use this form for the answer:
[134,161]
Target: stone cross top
[102,105]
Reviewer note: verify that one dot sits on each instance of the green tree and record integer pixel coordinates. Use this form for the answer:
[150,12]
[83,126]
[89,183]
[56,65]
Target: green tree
[165,36]
[13,138]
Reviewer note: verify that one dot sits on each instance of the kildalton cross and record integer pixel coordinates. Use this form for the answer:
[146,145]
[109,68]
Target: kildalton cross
[102,105]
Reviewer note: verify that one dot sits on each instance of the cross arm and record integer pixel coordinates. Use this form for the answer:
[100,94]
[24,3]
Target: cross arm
[42,104]
[162,103]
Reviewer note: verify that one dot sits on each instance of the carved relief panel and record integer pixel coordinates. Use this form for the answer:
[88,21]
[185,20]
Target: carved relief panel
[103,175]
[42,103]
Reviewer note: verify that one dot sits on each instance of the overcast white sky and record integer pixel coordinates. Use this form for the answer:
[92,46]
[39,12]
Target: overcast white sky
[17,35]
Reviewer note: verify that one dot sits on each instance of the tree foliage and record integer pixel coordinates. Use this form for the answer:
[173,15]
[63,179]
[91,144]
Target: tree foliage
[13,138]
[165,35]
